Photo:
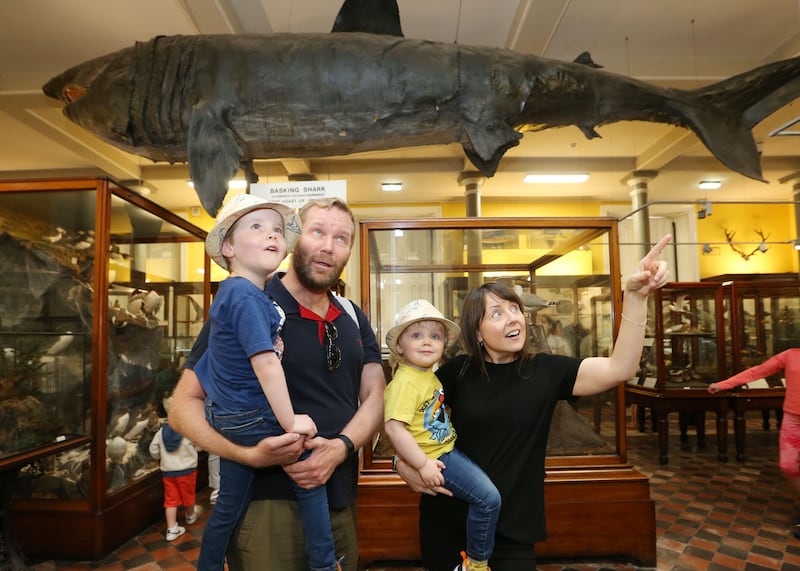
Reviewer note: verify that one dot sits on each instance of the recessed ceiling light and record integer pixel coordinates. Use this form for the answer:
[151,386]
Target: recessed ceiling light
[556,178]
[392,186]
[709,184]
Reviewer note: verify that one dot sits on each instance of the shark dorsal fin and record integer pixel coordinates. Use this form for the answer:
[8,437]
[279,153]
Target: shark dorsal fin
[370,16]
[585,58]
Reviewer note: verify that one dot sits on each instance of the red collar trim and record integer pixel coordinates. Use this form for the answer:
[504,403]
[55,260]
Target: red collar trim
[332,314]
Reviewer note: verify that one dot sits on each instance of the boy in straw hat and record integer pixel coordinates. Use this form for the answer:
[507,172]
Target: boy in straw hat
[247,398]
[419,428]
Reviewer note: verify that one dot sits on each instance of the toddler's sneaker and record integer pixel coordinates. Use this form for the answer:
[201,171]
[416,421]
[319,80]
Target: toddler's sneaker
[212,499]
[190,519]
[464,565]
[175,532]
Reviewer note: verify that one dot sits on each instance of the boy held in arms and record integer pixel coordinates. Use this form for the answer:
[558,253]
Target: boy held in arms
[420,430]
[241,373]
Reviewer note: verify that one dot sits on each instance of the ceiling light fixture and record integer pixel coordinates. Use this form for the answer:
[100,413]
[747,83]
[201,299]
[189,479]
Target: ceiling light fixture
[391,186]
[558,178]
[709,184]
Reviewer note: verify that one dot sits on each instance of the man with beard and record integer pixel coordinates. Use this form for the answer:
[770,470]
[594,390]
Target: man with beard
[333,370]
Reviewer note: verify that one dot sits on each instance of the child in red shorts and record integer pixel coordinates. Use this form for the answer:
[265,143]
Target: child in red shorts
[178,460]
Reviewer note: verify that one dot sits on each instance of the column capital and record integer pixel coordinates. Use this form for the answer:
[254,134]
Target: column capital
[639,177]
[471,177]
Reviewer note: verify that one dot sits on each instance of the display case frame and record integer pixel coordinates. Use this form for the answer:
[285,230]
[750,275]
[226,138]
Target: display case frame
[446,257]
[127,271]
[683,317]
[765,310]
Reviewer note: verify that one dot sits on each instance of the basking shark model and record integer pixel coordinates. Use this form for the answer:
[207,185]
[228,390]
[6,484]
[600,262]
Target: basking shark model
[221,101]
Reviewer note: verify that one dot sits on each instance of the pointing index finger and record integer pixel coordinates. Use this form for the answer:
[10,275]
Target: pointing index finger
[656,250]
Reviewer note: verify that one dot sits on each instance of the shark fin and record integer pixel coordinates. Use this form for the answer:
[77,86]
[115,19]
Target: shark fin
[487,145]
[214,155]
[585,58]
[369,16]
[730,108]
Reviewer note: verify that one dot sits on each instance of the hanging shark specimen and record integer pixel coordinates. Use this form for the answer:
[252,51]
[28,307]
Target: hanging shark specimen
[220,101]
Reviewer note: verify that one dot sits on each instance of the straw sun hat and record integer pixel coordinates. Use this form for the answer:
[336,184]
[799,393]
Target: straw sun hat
[237,207]
[419,310]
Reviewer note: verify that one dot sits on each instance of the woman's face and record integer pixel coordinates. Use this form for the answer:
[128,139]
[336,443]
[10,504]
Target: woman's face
[502,329]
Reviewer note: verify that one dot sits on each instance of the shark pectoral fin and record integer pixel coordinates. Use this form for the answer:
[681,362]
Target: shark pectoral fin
[488,143]
[589,132]
[214,156]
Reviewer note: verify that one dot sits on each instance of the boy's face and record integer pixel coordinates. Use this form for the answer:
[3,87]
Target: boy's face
[422,343]
[256,244]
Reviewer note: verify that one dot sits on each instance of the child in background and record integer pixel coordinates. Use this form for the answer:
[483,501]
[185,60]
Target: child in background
[213,478]
[419,428]
[241,373]
[177,458]
[789,439]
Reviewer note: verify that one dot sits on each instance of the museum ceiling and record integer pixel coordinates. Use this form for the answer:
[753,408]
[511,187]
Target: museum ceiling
[675,43]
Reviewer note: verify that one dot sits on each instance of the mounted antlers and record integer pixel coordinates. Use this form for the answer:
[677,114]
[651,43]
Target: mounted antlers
[762,246]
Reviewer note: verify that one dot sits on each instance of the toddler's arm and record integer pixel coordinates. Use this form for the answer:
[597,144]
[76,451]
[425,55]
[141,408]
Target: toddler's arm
[407,448]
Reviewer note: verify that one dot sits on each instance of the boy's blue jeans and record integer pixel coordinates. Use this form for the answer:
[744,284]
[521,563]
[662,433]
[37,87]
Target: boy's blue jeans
[468,482]
[248,428]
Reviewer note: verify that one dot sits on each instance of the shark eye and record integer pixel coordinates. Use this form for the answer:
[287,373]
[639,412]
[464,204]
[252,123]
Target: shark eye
[72,92]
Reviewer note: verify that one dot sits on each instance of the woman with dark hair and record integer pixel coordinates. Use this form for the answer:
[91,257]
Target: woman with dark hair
[502,399]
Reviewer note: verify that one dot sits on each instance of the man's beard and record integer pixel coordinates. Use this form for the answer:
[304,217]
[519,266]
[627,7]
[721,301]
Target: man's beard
[301,262]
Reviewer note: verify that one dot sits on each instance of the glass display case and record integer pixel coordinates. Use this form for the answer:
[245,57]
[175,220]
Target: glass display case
[565,271]
[687,337]
[557,267]
[703,332]
[102,292]
[764,319]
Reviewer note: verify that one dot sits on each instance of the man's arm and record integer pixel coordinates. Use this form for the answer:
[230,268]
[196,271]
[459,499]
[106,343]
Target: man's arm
[187,416]
[329,453]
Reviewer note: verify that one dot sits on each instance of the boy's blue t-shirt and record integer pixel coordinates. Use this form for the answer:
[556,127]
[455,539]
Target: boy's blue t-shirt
[240,317]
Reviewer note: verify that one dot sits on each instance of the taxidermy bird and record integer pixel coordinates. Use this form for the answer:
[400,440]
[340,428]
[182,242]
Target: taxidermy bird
[531,301]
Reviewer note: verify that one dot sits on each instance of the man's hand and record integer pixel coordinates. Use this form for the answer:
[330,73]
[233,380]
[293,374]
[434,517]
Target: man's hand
[315,470]
[416,483]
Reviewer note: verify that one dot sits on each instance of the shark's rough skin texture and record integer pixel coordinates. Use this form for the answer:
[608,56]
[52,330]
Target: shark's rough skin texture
[220,101]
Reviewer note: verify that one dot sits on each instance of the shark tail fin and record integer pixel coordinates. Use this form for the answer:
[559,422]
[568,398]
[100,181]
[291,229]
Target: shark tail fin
[737,104]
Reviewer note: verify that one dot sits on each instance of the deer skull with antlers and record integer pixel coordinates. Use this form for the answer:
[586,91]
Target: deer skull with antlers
[762,246]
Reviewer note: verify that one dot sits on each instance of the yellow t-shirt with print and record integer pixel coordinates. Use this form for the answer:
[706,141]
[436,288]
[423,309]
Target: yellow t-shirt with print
[416,398]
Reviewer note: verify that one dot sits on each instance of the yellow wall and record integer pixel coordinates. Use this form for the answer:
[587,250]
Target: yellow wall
[775,220]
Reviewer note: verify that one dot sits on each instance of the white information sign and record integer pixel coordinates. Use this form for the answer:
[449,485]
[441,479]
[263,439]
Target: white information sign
[295,194]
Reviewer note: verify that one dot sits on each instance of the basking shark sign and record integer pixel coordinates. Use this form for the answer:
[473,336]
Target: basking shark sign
[295,194]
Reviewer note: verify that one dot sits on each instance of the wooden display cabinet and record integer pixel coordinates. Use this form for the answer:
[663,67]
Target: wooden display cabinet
[765,321]
[94,318]
[703,332]
[568,260]
[685,350]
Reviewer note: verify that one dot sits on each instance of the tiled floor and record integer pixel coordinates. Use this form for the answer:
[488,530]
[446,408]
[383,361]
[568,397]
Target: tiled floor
[711,516]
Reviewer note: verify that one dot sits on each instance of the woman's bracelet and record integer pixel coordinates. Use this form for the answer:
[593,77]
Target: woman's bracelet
[629,320]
